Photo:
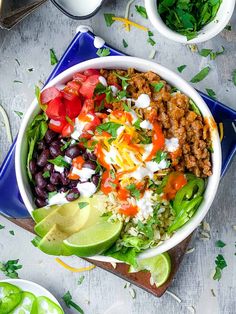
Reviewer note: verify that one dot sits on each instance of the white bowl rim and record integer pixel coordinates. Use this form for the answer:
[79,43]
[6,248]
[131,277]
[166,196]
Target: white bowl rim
[30,286]
[205,34]
[125,62]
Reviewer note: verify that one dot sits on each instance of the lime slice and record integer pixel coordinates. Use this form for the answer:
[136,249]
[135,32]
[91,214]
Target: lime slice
[94,239]
[159,267]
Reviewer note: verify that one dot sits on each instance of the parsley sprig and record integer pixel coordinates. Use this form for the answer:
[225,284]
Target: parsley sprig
[10,268]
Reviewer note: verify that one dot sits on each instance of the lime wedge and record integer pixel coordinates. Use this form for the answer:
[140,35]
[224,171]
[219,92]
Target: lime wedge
[159,267]
[94,239]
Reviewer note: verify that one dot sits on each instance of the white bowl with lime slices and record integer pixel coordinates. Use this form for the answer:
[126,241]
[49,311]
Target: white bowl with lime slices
[123,62]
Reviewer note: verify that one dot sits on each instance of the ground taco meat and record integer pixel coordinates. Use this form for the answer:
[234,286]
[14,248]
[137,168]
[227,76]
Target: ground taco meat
[174,111]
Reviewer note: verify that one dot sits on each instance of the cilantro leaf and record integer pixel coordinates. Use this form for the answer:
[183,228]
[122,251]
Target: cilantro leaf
[123,79]
[83,204]
[137,124]
[19,113]
[157,86]
[59,161]
[10,268]
[46,174]
[201,75]
[108,19]
[66,145]
[109,127]
[53,57]
[124,43]
[151,41]
[211,93]
[150,34]
[80,280]
[234,77]
[67,298]
[211,53]
[220,244]
[181,68]
[12,232]
[220,265]
[133,190]
[2,227]
[160,155]
[103,52]
[142,11]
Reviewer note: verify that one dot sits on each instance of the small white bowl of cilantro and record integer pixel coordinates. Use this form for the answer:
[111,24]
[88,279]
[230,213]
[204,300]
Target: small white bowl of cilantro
[189,21]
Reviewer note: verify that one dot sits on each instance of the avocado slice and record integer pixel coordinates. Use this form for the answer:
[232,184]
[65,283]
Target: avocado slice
[40,213]
[52,242]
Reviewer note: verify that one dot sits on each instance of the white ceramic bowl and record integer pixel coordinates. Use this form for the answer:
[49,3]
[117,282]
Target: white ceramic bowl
[209,31]
[143,66]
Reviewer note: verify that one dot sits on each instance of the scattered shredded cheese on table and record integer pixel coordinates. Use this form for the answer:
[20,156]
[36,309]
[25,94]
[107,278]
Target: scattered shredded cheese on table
[128,22]
[73,269]
[221,129]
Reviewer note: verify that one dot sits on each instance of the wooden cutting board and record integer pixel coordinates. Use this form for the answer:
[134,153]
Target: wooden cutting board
[140,279]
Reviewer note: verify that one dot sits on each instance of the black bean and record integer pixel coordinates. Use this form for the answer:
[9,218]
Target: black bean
[33,166]
[73,151]
[43,158]
[64,177]
[90,164]
[50,187]
[40,202]
[41,145]
[55,150]
[85,156]
[49,167]
[73,183]
[73,194]
[63,189]
[55,178]
[49,136]
[92,156]
[95,179]
[40,181]
[41,192]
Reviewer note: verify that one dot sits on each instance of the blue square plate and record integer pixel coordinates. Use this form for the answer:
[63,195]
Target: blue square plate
[82,49]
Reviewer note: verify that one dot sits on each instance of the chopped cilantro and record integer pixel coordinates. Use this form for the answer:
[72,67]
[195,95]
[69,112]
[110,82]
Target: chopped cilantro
[124,43]
[66,145]
[124,80]
[67,298]
[2,227]
[211,93]
[220,265]
[228,27]
[59,161]
[108,19]
[151,41]
[103,52]
[30,69]
[16,81]
[12,232]
[10,268]
[150,34]
[19,113]
[234,77]
[181,68]
[142,11]
[46,174]
[133,190]
[83,204]
[53,57]
[220,244]
[157,86]
[126,107]
[147,228]
[80,280]
[211,53]
[17,61]
[201,75]
[137,124]
[109,127]
[160,155]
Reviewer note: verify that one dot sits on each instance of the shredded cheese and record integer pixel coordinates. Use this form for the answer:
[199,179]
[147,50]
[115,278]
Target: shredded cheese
[6,123]
[221,129]
[127,13]
[174,296]
[73,269]
[128,22]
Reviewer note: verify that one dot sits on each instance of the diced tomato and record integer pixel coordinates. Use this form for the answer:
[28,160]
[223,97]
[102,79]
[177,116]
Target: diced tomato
[78,162]
[87,107]
[90,72]
[128,210]
[49,94]
[57,125]
[79,77]
[67,95]
[67,130]
[101,115]
[73,176]
[73,107]
[72,87]
[90,127]
[87,88]
[56,109]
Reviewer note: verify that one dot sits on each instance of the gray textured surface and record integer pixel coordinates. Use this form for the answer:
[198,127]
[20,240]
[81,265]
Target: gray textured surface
[30,42]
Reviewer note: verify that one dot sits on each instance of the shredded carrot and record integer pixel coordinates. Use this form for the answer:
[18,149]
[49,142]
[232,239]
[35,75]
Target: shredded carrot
[221,129]
[128,22]
[73,269]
